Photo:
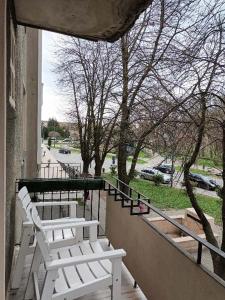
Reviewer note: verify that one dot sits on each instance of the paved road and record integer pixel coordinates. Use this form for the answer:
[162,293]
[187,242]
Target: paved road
[76,158]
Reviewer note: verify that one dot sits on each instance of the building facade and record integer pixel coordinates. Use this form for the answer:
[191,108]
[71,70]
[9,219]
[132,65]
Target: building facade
[21,99]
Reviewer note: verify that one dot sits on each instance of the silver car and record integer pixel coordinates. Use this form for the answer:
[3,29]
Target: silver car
[149,173]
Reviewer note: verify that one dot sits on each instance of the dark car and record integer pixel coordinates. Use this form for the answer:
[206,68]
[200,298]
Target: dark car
[65,151]
[203,181]
[165,168]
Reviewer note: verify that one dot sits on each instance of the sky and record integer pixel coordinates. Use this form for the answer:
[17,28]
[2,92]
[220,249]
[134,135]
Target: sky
[53,103]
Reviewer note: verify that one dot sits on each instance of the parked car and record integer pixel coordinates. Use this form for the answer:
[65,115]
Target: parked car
[165,168]
[149,174]
[203,182]
[67,140]
[65,150]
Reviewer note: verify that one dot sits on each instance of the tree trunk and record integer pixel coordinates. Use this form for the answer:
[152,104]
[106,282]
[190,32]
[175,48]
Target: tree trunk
[135,158]
[172,175]
[86,163]
[122,149]
[98,165]
[219,262]
[219,266]
[124,124]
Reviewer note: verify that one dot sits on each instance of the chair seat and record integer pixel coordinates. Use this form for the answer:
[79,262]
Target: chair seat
[83,274]
[57,235]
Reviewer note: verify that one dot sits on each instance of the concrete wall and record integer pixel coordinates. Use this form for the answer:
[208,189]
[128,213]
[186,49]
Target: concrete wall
[14,138]
[160,268]
[32,62]
[22,128]
[2,143]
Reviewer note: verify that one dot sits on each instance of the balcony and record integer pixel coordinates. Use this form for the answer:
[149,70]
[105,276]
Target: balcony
[95,20]
[159,267]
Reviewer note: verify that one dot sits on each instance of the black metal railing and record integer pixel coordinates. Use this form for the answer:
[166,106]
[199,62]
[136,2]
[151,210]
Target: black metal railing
[60,170]
[91,198]
[142,206]
[87,192]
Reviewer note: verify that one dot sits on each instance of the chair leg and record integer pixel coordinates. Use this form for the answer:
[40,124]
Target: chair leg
[49,285]
[116,285]
[20,262]
[34,269]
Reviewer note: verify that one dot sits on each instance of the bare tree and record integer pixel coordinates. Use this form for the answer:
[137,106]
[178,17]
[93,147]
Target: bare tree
[145,53]
[87,71]
[205,67]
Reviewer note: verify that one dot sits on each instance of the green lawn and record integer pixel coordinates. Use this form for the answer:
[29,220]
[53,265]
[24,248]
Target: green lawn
[209,163]
[143,154]
[139,161]
[165,197]
[197,171]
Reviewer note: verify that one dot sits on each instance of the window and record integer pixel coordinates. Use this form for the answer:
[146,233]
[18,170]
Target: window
[12,89]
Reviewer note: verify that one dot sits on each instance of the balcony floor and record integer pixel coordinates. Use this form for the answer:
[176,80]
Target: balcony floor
[128,292]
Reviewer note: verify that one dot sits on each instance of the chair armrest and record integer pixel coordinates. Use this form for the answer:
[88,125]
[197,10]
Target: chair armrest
[54,203]
[71,225]
[28,224]
[61,263]
[61,221]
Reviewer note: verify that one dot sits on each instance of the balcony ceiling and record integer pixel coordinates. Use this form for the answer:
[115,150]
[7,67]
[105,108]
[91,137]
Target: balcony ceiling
[92,19]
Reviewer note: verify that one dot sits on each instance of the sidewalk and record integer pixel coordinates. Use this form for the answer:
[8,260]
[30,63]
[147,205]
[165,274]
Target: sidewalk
[53,171]
[46,156]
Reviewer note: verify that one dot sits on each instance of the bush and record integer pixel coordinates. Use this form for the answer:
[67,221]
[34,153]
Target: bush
[157,179]
[113,170]
[49,142]
[136,173]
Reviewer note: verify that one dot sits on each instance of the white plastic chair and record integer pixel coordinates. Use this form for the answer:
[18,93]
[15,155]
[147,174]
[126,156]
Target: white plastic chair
[55,237]
[73,271]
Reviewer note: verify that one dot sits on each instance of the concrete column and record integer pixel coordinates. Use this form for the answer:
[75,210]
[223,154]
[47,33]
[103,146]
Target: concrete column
[2,143]
[40,97]
[32,101]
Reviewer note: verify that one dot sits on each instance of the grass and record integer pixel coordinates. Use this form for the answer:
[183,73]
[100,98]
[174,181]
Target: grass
[202,172]
[197,171]
[110,155]
[139,161]
[165,197]
[143,154]
[59,146]
[209,163]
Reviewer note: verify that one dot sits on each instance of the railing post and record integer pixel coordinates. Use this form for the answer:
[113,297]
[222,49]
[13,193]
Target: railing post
[199,258]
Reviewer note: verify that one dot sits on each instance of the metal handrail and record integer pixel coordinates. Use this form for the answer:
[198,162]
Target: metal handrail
[173,222]
[118,180]
[57,163]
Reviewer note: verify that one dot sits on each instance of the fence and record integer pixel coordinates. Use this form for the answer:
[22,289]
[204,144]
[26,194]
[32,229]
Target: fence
[87,192]
[60,170]
[91,195]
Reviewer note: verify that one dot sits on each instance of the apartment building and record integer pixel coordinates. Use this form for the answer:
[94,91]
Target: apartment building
[21,121]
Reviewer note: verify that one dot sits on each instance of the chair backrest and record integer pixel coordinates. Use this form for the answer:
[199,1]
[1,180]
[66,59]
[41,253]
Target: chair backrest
[40,235]
[25,205]
[23,201]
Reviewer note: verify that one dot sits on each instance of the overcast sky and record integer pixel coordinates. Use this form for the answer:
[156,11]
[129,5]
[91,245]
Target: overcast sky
[53,102]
